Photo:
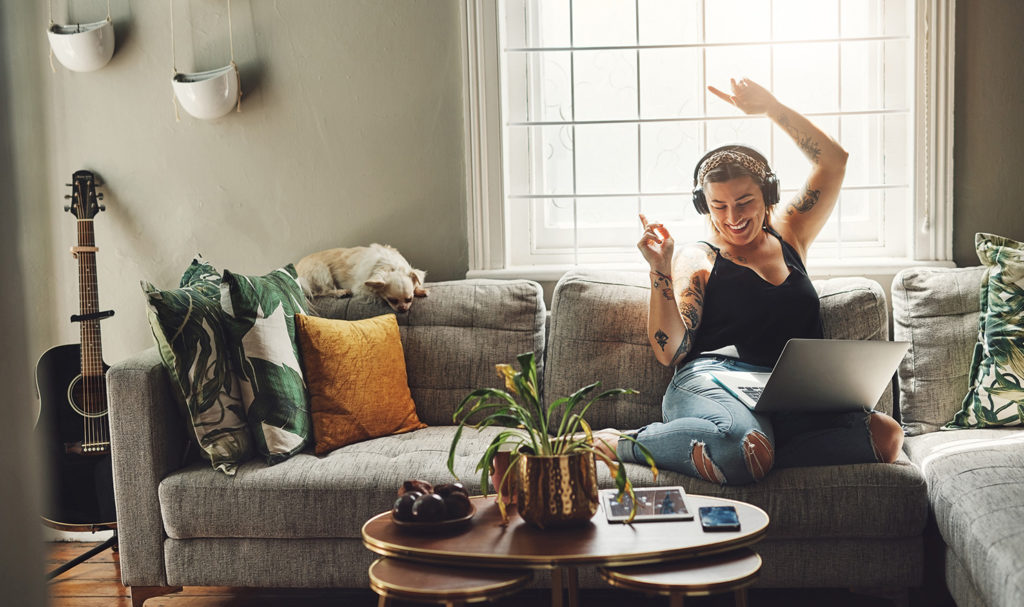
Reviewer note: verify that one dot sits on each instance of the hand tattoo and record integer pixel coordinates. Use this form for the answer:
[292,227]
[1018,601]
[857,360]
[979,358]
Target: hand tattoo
[662,338]
[808,199]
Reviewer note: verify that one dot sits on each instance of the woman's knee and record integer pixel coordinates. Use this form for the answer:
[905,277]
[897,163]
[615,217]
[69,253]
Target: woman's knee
[886,437]
[757,452]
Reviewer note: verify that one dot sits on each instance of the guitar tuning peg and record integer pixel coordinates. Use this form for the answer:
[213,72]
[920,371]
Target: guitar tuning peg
[68,196]
[70,185]
[99,196]
[67,208]
[103,207]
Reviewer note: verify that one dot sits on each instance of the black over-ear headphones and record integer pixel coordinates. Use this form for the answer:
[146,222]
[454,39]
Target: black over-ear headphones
[770,189]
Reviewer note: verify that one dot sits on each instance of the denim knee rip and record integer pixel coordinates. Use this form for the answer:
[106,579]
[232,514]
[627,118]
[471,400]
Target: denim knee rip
[706,468]
[758,454]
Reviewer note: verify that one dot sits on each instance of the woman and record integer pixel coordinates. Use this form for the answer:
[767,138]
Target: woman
[747,287]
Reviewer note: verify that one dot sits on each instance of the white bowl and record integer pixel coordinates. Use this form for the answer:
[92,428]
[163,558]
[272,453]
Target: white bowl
[209,94]
[82,47]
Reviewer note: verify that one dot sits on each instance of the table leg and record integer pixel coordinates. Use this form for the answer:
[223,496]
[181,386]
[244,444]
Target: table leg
[556,587]
[741,597]
[675,599]
[382,601]
[573,580]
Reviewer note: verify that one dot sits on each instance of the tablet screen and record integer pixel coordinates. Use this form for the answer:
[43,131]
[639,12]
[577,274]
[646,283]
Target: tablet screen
[653,504]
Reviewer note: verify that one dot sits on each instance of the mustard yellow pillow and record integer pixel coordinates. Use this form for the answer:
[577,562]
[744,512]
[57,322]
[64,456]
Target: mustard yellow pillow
[355,378]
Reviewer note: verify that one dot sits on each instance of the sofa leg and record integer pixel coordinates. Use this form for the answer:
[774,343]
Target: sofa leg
[139,594]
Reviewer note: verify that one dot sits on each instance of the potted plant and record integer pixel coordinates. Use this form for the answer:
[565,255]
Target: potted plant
[543,441]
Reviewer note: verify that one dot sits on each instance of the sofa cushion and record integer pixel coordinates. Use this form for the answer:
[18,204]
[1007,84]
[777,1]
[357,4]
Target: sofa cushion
[599,333]
[453,338]
[975,486]
[314,497]
[355,377]
[260,313]
[996,394]
[936,310]
[187,324]
[331,496]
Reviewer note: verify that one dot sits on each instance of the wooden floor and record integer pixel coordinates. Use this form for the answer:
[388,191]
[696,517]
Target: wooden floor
[97,583]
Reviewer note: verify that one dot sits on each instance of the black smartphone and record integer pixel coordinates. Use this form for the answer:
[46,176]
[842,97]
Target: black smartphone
[719,518]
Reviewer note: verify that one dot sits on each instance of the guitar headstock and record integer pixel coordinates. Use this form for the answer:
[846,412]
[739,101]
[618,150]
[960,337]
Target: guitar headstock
[84,199]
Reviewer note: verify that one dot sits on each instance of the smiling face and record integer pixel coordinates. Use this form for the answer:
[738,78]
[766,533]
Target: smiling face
[737,209]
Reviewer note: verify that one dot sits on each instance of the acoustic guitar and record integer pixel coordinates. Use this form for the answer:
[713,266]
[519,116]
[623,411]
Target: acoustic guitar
[71,380]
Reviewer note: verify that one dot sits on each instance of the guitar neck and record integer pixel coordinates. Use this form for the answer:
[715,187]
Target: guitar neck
[88,297]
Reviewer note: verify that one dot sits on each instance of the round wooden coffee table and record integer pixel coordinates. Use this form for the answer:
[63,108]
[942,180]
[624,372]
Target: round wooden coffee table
[485,542]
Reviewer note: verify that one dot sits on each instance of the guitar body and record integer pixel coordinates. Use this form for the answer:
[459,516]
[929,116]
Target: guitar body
[81,487]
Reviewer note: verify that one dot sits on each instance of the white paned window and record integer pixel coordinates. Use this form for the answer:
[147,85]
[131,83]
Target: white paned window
[584,113]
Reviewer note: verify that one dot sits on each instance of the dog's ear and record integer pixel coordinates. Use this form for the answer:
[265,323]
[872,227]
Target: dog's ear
[418,278]
[376,281]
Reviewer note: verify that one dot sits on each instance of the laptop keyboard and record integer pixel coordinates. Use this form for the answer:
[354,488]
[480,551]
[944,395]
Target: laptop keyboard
[753,392]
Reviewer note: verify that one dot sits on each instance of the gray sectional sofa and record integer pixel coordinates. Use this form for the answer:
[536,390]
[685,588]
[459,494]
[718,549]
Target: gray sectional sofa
[297,524]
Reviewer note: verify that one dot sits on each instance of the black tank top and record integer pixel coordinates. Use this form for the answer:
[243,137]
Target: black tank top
[744,310]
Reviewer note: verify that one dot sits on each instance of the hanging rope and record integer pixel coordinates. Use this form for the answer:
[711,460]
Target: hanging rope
[174,68]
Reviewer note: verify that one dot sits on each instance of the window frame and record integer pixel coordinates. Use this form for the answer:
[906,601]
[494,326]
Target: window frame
[488,230]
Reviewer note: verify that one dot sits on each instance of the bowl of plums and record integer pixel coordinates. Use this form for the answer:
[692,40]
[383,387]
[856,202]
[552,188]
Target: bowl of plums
[424,507]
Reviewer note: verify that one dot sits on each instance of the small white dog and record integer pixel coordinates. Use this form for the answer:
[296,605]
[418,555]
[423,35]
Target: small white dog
[376,270]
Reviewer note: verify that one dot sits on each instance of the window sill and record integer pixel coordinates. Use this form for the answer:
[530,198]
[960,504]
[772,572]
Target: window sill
[824,268]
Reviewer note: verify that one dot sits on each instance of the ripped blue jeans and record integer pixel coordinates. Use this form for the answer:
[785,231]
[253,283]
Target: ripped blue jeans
[706,433]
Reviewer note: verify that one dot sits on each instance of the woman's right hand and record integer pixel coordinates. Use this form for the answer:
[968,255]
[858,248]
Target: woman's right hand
[657,246]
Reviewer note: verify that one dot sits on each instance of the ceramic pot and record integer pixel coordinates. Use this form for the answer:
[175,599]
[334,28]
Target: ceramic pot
[82,47]
[556,491]
[207,95]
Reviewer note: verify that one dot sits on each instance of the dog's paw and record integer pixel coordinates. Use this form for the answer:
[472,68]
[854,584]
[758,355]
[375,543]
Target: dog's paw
[339,293]
[420,292]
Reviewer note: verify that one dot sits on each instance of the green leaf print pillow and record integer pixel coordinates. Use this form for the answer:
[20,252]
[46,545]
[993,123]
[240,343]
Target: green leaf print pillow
[188,326]
[260,321]
[996,394]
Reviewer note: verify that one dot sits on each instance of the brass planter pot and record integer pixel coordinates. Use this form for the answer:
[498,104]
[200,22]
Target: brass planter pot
[559,490]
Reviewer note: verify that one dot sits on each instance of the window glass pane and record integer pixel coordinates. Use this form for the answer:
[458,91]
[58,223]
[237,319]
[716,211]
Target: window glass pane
[671,83]
[860,19]
[606,159]
[754,132]
[723,63]
[862,77]
[669,21]
[737,20]
[676,212]
[897,71]
[897,17]
[862,136]
[539,160]
[603,23]
[805,19]
[807,76]
[668,151]
[605,85]
[608,222]
[536,23]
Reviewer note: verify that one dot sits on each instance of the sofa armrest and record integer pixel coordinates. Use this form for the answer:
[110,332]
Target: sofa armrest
[147,441]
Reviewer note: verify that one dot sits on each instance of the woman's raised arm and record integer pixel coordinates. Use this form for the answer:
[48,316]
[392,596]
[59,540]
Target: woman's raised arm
[805,215]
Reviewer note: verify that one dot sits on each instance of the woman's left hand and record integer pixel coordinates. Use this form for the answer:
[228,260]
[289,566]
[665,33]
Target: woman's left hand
[748,96]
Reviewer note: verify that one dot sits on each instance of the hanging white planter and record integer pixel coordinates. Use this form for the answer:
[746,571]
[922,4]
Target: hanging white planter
[210,94]
[84,47]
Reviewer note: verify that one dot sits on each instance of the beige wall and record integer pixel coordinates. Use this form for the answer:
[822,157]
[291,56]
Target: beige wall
[989,124]
[350,133]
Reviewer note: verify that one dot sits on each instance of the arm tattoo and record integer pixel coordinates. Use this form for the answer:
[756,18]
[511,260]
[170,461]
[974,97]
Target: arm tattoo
[684,347]
[695,290]
[808,199]
[662,338]
[662,281]
[690,315]
[806,143]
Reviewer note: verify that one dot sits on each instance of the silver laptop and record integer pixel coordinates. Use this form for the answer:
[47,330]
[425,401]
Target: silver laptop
[820,375]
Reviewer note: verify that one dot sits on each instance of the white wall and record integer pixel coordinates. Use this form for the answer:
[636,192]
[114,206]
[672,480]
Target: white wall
[351,132]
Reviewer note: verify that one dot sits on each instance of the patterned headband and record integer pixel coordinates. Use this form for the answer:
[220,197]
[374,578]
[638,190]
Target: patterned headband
[732,157]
